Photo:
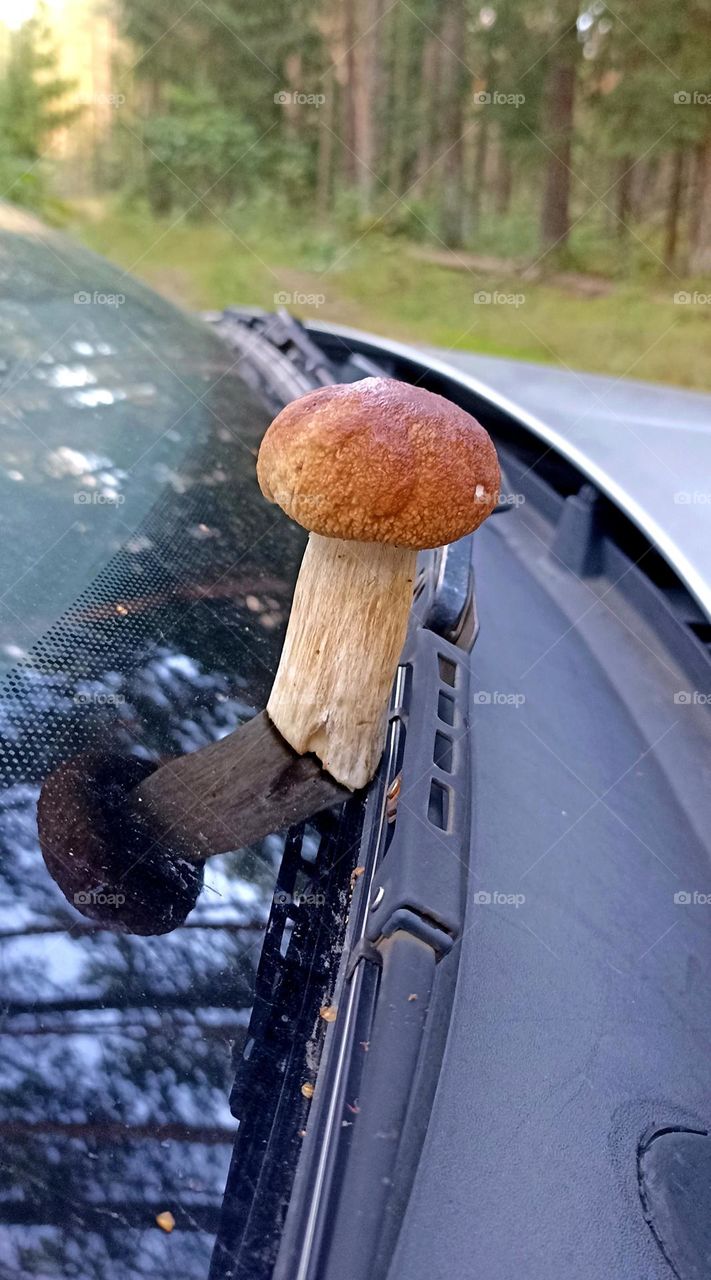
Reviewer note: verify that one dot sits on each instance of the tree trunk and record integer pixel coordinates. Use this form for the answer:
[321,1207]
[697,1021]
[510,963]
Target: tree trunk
[401,106]
[693,229]
[559,107]
[623,194]
[350,36]
[481,152]
[330,119]
[326,138]
[504,180]
[367,103]
[430,78]
[294,114]
[650,194]
[700,259]
[673,210]
[455,80]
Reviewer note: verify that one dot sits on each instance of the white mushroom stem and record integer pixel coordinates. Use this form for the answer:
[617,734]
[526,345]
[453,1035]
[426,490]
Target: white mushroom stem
[346,631]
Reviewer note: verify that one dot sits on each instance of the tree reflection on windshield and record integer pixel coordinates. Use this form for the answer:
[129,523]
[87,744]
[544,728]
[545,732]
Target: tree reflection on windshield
[117,1052]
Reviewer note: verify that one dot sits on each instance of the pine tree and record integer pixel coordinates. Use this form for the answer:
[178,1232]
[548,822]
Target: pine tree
[33,98]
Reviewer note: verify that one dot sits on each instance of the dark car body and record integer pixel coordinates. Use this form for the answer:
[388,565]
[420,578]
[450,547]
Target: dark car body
[457,1027]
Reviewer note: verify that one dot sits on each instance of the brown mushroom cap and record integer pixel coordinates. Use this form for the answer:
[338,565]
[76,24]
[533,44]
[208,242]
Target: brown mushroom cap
[380,461]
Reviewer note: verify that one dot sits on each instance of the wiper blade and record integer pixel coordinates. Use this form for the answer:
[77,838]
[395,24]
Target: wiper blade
[281,359]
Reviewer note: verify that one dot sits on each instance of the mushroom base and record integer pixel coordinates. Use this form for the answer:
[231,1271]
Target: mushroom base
[346,632]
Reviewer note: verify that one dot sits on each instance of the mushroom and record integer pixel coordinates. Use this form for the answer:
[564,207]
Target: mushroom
[376,470]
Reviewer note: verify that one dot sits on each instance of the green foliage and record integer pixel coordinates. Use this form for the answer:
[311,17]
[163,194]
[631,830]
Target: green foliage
[638,59]
[381,285]
[32,106]
[198,150]
[31,94]
[594,166]
[240,51]
[23,184]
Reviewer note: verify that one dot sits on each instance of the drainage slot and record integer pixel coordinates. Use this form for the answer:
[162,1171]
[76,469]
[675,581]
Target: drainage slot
[438,807]
[445,708]
[447,671]
[443,752]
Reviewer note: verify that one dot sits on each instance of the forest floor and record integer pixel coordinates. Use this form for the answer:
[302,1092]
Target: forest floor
[392,287]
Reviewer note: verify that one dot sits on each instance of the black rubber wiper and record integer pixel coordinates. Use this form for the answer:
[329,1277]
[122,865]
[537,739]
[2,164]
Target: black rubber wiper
[279,358]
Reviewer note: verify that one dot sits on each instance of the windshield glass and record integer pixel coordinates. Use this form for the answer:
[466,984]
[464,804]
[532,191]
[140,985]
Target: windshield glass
[144,593]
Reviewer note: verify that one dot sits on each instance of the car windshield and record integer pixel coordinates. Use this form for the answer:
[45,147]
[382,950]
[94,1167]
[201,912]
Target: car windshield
[145,590]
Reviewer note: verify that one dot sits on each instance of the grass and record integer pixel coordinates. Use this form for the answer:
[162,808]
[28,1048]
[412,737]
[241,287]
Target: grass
[379,283]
